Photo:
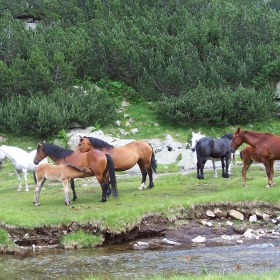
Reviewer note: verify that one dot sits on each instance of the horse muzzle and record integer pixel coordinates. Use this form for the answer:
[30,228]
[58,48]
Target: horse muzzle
[232,150]
[192,149]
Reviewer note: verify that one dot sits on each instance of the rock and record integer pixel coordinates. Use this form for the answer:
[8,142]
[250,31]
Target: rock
[253,219]
[259,213]
[169,242]
[199,239]
[134,130]
[218,212]
[211,214]
[249,233]
[266,217]
[229,223]
[236,215]
[141,245]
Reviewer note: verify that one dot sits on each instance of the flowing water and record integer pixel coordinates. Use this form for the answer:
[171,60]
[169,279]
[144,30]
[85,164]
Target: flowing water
[123,262]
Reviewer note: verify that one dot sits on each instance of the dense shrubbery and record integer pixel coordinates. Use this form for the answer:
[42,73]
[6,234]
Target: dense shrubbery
[158,48]
[219,108]
[47,115]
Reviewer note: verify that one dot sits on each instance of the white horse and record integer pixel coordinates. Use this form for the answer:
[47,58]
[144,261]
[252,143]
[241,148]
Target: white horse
[197,136]
[21,160]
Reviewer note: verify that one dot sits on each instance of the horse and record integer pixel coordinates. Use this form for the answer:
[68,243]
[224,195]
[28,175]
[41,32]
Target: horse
[21,160]
[125,157]
[63,173]
[102,165]
[248,155]
[267,146]
[196,136]
[208,147]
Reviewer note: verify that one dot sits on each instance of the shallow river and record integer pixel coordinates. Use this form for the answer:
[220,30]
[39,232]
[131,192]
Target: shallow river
[120,261]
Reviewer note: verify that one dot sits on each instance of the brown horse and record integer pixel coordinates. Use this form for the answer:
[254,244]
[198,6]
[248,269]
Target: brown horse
[248,156]
[267,146]
[63,173]
[125,157]
[102,165]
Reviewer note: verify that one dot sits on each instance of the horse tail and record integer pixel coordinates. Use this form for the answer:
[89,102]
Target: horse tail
[153,160]
[112,175]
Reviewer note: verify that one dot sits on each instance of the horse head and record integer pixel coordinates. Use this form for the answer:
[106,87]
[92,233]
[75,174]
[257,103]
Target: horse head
[40,154]
[195,137]
[237,140]
[84,145]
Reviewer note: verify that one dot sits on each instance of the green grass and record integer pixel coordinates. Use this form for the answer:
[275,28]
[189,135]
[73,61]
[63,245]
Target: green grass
[171,192]
[272,275]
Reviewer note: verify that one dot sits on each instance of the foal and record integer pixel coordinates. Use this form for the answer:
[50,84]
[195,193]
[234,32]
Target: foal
[62,173]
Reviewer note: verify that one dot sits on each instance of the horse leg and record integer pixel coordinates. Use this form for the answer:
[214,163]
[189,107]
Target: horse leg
[229,164]
[19,181]
[214,167]
[200,166]
[269,173]
[38,188]
[151,183]
[225,165]
[65,183]
[272,172]
[73,189]
[104,187]
[246,165]
[144,177]
[24,171]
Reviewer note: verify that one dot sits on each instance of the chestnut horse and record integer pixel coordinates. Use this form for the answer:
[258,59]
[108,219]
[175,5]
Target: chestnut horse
[102,165]
[248,156]
[267,146]
[63,173]
[125,157]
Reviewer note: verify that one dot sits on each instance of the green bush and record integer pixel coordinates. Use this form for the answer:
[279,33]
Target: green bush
[219,108]
[47,115]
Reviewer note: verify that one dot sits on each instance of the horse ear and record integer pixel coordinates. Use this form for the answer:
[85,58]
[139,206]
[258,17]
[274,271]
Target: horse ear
[238,129]
[40,145]
[81,137]
[44,141]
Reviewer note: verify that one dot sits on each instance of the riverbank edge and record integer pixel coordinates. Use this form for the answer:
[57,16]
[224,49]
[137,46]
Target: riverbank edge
[184,225]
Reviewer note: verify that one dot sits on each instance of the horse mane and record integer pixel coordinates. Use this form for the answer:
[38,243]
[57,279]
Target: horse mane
[56,151]
[227,136]
[98,143]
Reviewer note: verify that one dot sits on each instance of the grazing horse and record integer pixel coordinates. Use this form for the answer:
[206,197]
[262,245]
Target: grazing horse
[125,157]
[197,136]
[22,162]
[208,147]
[248,156]
[267,146]
[102,165]
[62,173]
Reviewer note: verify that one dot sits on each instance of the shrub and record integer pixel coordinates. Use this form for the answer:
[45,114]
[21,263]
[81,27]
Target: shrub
[219,108]
[47,115]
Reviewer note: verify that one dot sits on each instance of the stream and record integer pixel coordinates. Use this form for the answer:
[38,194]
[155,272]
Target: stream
[123,262]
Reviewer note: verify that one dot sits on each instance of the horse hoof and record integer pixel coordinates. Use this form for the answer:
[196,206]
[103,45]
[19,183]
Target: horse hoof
[268,186]
[67,203]
[19,190]
[27,190]
[149,187]
[103,200]
[37,204]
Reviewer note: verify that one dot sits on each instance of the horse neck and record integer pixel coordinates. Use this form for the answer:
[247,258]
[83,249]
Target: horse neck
[252,138]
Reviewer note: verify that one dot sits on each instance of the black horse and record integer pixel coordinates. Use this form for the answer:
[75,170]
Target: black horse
[208,147]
